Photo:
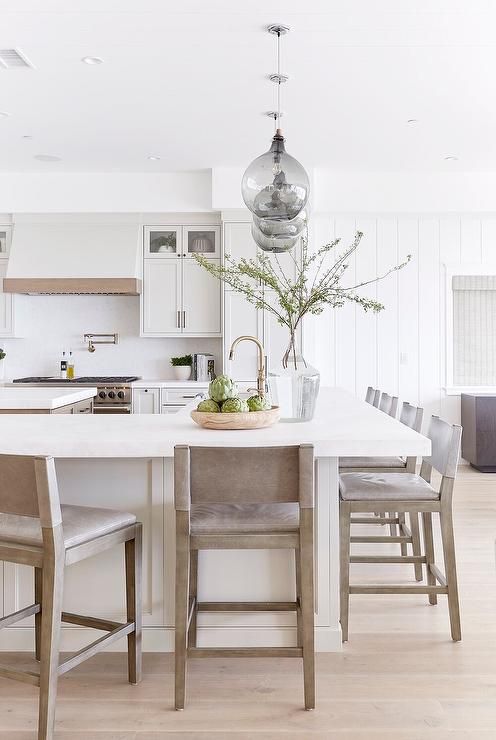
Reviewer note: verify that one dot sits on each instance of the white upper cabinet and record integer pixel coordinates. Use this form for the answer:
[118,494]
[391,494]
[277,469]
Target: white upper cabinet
[163,242]
[6,299]
[181,241]
[203,240]
[179,296]
[161,298]
[201,296]
[6,306]
[5,240]
[238,241]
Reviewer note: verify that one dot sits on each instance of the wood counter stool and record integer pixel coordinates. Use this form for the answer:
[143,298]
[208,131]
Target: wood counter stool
[243,498]
[369,492]
[369,395]
[388,404]
[410,416]
[36,530]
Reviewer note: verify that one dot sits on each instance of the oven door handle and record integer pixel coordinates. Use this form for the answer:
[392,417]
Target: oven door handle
[123,408]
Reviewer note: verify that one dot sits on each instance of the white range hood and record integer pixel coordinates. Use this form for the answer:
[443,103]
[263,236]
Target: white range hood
[64,255]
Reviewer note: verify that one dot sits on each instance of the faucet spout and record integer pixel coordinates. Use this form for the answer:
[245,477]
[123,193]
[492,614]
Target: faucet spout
[261,360]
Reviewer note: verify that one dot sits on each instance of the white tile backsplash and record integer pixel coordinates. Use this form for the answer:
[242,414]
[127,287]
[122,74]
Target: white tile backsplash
[47,325]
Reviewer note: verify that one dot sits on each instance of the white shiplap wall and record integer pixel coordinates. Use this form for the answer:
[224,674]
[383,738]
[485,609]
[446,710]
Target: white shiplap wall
[401,350]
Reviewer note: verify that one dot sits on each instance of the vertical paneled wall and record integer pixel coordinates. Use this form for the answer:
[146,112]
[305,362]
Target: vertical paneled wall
[402,349]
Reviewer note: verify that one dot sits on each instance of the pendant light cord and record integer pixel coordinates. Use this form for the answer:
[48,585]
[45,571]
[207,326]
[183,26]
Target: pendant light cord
[279,80]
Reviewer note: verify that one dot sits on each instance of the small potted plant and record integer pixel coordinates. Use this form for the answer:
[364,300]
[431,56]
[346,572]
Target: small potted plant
[182,367]
[2,363]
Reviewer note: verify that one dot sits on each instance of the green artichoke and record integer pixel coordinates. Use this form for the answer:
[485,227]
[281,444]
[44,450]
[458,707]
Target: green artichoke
[234,405]
[209,405]
[258,403]
[222,388]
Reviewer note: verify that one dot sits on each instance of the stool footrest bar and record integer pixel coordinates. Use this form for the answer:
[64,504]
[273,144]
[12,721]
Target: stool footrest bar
[378,589]
[247,606]
[249,652]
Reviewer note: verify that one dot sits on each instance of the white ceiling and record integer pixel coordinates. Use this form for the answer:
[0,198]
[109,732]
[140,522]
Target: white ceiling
[186,81]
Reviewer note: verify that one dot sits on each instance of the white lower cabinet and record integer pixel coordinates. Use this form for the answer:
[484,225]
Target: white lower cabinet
[6,306]
[175,399]
[146,400]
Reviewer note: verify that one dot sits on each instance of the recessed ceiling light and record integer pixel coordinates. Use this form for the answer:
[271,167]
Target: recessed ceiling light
[412,121]
[153,158]
[4,114]
[451,158]
[47,158]
[92,60]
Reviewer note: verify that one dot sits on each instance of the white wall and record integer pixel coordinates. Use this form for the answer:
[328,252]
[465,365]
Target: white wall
[49,324]
[402,349]
[105,192]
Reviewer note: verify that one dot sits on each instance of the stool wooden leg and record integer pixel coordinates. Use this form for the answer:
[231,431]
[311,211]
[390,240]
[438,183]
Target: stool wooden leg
[299,630]
[392,527]
[53,580]
[307,605]
[416,548]
[133,558]
[401,519]
[193,594]
[344,571]
[447,535]
[429,553]
[38,591]
[182,596]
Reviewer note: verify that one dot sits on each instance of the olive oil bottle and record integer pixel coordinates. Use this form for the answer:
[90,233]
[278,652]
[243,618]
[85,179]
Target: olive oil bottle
[70,367]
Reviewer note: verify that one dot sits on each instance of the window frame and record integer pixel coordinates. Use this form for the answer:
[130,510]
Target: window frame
[452,270]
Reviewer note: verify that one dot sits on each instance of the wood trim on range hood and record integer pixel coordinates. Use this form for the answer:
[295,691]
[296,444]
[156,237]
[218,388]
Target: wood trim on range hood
[73,286]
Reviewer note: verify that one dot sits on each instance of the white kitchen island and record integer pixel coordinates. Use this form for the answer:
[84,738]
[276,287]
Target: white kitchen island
[41,400]
[126,462]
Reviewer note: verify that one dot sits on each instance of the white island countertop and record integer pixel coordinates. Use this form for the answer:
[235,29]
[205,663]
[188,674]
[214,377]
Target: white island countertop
[41,398]
[343,426]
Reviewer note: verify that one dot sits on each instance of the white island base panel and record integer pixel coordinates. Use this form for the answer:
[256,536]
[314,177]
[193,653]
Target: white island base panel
[126,462]
[96,586]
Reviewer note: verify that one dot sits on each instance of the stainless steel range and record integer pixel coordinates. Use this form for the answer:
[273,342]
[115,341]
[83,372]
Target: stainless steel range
[113,391]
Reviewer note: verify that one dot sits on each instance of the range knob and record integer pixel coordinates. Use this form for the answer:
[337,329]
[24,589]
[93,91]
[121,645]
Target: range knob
[102,394]
[121,394]
[111,394]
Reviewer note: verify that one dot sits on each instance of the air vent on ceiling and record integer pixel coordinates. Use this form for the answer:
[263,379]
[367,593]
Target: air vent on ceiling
[11,58]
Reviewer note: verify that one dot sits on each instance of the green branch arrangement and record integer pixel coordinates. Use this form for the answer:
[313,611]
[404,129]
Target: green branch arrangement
[316,283]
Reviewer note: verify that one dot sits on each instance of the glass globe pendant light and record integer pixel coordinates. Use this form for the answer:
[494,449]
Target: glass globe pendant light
[275,186]
[274,243]
[271,227]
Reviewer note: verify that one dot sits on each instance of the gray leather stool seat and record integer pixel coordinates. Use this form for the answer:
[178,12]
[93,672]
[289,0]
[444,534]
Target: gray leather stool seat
[80,524]
[385,487]
[372,462]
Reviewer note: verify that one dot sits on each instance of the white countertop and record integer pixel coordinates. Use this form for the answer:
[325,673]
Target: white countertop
[161,383]
[42,398]
[343,425]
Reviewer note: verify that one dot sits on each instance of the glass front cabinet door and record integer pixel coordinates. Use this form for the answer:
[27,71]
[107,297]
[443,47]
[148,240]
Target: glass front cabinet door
[202,240]
[5,237]
[163,241]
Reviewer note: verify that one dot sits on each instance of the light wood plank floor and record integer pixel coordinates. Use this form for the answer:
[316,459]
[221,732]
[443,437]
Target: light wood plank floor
[399,678]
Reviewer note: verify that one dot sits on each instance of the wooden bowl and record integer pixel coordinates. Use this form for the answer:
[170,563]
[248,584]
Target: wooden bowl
[239,420]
